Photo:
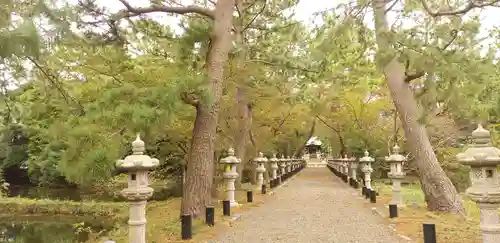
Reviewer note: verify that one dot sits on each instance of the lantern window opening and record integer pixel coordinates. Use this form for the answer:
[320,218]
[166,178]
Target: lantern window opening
[489,173]
[133,176]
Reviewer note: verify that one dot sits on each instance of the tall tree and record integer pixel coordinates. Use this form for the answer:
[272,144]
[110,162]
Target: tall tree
[440,193]
[199,169]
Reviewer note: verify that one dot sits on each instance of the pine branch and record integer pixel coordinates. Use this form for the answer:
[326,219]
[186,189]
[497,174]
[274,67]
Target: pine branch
[421,73]
[255,16]
[282,65]
[471,5]
[392,6]
[190,99]
[132,11]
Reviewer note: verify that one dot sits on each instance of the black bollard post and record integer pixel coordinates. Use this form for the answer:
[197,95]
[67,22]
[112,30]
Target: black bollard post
[210,216]
[393,210]
[363,191]
[249,196]
[226,208]
[263,189]
[186,227]
[373,196]
[429,233]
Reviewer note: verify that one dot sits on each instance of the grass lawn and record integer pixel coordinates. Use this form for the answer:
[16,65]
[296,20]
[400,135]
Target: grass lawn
[163,222]
[450,228]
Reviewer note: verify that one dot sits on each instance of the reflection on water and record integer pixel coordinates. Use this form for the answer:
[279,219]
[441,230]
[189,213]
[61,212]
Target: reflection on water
[41,229]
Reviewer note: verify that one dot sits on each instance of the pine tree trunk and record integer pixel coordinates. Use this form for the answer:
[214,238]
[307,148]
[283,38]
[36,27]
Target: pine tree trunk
[200,165]
[242,134]
[439,192]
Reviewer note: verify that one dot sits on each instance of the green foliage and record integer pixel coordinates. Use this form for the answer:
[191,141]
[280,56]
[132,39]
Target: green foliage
[86,98]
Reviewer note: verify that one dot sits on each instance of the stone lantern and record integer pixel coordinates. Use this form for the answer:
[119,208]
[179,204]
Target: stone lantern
[288,164]
[138,191]
[282,164]
[261,169]
[485,189]
[337,162]
[396,174]
[353,165]
[230,174]
[366,163]
[274,167]
[345,166]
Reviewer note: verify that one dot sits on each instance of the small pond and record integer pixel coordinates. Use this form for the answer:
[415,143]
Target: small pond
[43,229]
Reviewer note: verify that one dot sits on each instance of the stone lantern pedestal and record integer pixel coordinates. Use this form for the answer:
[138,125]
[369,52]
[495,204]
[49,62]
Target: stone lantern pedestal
[138,191]
[274,167]
[230,174]
[485,189]
[396,174]
[261,168]
[366,163]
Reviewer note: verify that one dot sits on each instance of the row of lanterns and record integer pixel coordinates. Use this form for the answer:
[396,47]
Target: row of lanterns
[480,156]
[483,159]
[138,164]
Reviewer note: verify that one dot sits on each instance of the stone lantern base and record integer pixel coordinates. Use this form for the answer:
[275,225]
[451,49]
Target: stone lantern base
[489,222]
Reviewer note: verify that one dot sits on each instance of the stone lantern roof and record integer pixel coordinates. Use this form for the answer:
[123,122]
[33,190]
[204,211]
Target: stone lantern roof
[480,152]
[366,158]
[231,158]
[273,159]
[344,159]
[261,158]
[395,156]
[137,161]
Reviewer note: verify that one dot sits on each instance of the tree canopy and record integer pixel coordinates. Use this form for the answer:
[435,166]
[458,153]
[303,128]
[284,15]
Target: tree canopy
[79,80]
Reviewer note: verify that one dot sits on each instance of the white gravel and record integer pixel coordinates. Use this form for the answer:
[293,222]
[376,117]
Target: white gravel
[315,206]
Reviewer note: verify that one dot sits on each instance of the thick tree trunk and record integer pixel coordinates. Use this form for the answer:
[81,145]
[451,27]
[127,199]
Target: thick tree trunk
[440,193]
[242,134]
[200,166]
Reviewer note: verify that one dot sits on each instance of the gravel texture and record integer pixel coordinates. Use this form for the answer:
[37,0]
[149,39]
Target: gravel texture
[314,206]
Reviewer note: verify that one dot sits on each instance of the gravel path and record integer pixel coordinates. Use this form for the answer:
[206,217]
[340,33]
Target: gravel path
[315,206]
